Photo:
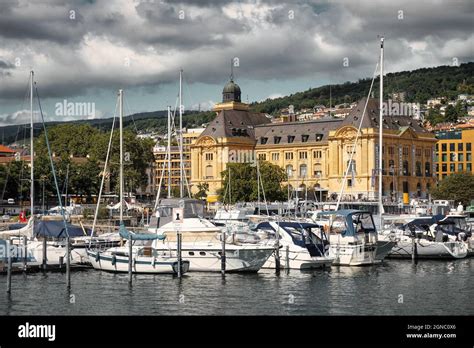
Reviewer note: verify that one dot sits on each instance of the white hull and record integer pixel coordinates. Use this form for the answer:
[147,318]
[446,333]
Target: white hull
[299,258]
[107,261]
[429,250]
[353,254]
[206,257]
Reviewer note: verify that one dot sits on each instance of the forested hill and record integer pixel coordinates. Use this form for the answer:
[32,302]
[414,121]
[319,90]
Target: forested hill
[419,85]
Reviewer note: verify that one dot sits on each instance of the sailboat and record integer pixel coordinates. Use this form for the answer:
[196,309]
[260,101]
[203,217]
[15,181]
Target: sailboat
[139,247]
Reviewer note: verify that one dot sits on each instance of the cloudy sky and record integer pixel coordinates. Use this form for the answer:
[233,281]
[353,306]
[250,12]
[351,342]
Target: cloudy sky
[84,51]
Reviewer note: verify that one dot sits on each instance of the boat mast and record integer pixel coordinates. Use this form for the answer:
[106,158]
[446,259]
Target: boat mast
[169,152]
[381,132]
[121,151]
[181,174]
[32,178]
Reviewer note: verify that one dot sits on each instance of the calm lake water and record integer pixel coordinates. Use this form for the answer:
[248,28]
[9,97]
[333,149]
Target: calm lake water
[428,288]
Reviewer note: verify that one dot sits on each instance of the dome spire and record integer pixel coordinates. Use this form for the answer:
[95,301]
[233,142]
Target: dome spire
[231,69]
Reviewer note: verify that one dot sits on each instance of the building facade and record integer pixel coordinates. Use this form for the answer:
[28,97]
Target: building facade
[316,154]
[454,152]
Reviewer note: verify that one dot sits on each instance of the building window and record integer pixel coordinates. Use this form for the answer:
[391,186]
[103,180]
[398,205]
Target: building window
[437,168]
[263,140]
[437,147]
[451,167]
[468,167]
[418,169]
[406,151]
[391,166]
[291,138]
[288,156]
[276,140]
[303,155]
[460,167]
[209,156]
[391,150]
[303,170]
[317,154]
[468,157]
[289,171]
[452,157]
[427,153]
[452,146]
[319,137]
[275,156]
[460,147]
[460,157]
[304,138]
[444,167]
[427,169]
[353,167]
[418,152]
[468,146]
[444,157]
[349,182]
[444,147]
[209,174]
[405,168]
[262,156]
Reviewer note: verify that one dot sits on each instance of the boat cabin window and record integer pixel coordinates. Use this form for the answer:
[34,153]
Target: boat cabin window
[338,224]
[363,222]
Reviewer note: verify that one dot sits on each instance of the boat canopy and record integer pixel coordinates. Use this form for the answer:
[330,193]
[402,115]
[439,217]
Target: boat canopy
[56,229]
[138,236]
[349,222]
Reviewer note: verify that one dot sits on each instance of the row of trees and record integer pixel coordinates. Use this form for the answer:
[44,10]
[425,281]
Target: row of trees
[79,152]
[451,114]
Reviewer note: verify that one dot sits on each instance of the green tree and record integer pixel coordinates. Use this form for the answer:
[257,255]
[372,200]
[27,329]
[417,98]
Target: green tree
[458,187]
[242,186]
[203,188]
[450,114]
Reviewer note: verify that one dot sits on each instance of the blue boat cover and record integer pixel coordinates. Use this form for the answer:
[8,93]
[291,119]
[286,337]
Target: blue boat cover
[138,236]
[56,229]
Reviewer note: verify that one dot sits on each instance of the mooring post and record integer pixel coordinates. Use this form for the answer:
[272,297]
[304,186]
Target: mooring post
[9,268]
[178,240]
[277,250]
[130,256]
[287,262]
[45,254]
[68,263]
[25,253]
[223,260]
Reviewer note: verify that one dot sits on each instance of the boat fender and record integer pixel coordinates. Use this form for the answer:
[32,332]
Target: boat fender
[114,260]
[97,257]
[153,262]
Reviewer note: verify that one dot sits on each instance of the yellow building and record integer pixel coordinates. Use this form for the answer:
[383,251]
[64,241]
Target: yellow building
[454,152]
[189,136]
[315,154]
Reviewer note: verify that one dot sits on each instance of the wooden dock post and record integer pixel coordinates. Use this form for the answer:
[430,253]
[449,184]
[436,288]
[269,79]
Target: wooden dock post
[287,262]
[68,263]
[9,268]
[178,242]
[223,260]
[130,260]
[277,250]
[25,253]
[45,254]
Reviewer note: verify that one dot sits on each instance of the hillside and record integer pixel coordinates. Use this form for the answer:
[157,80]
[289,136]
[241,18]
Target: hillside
[419,85]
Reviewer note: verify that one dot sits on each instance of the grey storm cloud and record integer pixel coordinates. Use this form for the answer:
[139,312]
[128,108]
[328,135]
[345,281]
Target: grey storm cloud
[76,47]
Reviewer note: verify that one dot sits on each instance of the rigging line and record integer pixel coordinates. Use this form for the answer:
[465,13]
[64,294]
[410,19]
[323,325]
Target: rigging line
[52,163]
[355,140]
[104,172]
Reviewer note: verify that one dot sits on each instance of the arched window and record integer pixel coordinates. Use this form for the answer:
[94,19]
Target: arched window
[289,171]
[209,172]
[418,190]
[405,168]
[391,187]
[303,171]
[391,166]
[418,169]
[352,169]
[427,169]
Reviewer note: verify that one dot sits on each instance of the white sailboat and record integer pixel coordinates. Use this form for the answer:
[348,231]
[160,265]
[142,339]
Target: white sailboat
[139,247]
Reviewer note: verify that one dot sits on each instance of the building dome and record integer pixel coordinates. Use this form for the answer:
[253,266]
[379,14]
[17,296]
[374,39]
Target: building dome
[231,92]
